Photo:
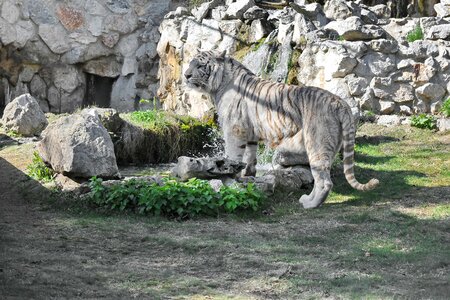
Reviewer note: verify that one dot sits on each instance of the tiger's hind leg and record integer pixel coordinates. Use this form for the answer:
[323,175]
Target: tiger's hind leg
[322,187]
[322,143]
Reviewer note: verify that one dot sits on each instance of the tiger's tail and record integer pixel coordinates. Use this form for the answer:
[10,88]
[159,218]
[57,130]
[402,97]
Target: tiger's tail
[349,132]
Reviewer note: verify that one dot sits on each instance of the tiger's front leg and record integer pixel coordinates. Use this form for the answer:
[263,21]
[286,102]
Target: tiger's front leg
[237,148]
[250,158]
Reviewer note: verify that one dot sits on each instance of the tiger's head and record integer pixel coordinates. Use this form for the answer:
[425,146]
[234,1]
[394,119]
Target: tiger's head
[206,71]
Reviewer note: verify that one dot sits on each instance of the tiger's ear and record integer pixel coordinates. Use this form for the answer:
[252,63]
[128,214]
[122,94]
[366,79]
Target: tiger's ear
[222,54]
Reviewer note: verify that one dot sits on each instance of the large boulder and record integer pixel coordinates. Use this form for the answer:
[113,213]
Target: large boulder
[79,146]
[24,116]
[206,168]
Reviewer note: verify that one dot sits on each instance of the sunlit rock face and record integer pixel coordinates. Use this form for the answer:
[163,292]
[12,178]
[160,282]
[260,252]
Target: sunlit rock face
[357,51]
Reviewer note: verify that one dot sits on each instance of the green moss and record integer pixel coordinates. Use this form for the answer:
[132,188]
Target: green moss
[293,67]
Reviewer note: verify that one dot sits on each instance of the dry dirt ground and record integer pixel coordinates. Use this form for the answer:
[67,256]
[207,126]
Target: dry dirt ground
[373,249]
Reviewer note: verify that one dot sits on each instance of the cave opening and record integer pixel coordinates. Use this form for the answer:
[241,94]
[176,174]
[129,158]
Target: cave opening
[98,90]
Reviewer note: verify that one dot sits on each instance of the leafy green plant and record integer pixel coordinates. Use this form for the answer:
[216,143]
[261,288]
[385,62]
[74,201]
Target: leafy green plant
[446,108]
[39,170]
[424,121]
[415,34]
[174,198]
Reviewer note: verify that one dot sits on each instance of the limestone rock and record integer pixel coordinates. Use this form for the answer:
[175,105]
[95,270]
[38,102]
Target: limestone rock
[118,6]
[255,13]
[386,107]
[292,178]
[24,116]
[353,29]
[430,92]
[442,10]
[375,63]
[441,32]
[237,9]
[389,120]
[8,33]
[443,124]
[202,11]
[79,146]
[205,168]
[55,37]
[9,11]
[337,10]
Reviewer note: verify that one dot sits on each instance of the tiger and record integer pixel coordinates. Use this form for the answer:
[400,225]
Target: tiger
[289,117]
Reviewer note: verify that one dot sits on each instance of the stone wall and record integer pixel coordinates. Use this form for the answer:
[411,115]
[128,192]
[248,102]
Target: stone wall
[356,51]
[78,52]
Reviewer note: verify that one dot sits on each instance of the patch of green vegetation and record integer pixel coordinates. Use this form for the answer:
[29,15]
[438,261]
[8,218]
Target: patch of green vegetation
[13,134]
[291,78]
[168,136]
[424,121]
[445,110]
[415,34]
[175,198]
[195,3]
[258,44]
[38,169]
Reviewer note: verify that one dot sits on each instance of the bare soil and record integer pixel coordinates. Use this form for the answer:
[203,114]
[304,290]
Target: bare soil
[378,249]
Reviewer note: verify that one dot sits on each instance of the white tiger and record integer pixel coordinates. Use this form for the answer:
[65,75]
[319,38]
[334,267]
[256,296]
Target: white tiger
[287,117]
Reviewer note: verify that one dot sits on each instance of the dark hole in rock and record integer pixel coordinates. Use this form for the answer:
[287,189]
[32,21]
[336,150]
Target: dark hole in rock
[98,90]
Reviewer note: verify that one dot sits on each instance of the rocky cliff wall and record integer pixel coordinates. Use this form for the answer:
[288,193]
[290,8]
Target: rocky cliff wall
[356,51]
[80,52]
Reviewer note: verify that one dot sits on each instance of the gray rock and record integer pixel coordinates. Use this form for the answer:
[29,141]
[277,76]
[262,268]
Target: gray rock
[105,67]
[375,63]
[67,78]
[110,39]
[353,29]
[286,158]
[219,13]
[124,93]
[40,11]
[337,10]
[356,85]
[386,107]
[443,124]
[258,29]
[255,13]
[442,10]
[180,11]
[123,24]
[430,92]
[313,12]
[118,6]
[38,88]
[55,37]
[206,168]
[281,66]
[405,110]
[25,31]
[79,146]
[8,33]
[24,116]
[292,178]
[384,46]
[201,12]
[109,117]
[382,11]
[389,120]
[439,32]
[93,7]
[10,12]
[237,9]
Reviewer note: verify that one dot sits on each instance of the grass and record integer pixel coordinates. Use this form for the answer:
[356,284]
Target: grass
[415,35]
[388,243]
